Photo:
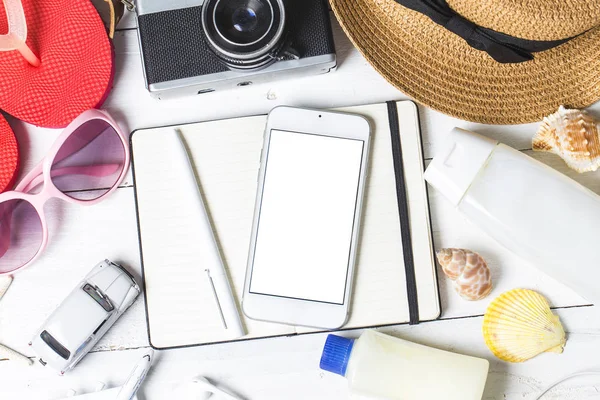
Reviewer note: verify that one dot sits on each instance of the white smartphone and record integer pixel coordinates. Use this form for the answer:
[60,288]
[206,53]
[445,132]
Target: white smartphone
[307,218]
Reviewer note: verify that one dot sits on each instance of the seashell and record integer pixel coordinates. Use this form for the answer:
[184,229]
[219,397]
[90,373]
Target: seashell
[5,282]
[574,135]
[469,271]
[518,325]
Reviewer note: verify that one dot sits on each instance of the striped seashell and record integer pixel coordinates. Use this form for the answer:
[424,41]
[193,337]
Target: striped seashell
[574,135]
[469,272]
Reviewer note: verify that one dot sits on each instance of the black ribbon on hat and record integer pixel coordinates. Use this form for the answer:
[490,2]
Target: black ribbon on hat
[500,46]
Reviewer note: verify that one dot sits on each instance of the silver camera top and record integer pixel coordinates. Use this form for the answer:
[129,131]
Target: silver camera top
[154,6]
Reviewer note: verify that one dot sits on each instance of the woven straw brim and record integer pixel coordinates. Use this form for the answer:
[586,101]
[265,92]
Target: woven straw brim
[438,69]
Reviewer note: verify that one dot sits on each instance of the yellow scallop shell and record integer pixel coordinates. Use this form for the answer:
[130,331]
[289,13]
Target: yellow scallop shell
[519,325]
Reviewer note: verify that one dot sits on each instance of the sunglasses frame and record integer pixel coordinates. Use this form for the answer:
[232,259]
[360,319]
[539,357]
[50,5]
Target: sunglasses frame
[42,174]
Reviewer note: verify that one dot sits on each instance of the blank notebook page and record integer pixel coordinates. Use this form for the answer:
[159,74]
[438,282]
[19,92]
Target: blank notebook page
[179,300]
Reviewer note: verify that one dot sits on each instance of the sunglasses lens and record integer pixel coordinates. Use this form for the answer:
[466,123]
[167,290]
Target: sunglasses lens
[90,161]
[20,234]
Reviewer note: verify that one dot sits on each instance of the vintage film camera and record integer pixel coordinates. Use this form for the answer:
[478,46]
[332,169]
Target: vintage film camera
[192,47]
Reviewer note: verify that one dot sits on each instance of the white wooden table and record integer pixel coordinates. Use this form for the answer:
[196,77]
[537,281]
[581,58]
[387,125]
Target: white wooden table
[281,368]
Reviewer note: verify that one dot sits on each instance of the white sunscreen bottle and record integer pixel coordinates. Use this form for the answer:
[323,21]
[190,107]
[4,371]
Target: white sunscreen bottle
[533,210]
[385,367]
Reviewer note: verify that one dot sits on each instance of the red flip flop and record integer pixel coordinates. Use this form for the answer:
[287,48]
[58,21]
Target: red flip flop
[75,56]
[9,156]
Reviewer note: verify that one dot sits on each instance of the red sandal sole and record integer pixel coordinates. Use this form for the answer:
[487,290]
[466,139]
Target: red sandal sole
[9,156]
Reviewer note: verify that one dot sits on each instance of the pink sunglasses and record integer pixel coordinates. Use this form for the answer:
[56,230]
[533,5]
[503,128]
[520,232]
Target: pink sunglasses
[87,162]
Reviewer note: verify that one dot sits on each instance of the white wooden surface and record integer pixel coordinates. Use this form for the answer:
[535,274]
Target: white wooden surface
[282,368]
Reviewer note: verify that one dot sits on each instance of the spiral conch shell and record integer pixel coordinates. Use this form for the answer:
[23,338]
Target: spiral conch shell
[519,325]
[469,271]
[574,135]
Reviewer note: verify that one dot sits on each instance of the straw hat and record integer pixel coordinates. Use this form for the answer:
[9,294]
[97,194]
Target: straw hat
[433,63]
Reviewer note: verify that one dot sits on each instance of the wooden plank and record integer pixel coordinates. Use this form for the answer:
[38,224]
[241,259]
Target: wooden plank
[129,21]
[288,367]
[284,367]
[355,82]
[451,229]
[81,236]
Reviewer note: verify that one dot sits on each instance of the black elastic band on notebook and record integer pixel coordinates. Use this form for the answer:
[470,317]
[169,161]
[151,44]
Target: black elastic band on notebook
[500,46]
[407,249]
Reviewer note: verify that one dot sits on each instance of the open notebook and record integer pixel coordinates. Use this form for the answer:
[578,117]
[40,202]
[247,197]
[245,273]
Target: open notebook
[391,286]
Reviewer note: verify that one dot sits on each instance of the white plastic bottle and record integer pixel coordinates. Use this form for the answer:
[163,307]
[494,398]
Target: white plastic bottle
[385,367]
[533,210]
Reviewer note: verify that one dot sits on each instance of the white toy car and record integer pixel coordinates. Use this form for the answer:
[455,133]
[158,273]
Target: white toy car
[85,316]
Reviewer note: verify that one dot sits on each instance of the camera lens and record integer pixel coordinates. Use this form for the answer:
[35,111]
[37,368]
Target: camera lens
[244,34]
[243,21]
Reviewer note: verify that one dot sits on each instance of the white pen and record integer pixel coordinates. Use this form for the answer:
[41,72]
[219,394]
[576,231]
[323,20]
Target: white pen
[213,263]
[137,376]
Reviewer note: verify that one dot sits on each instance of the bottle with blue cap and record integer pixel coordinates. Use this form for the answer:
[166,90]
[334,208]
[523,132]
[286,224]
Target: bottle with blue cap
[386,367]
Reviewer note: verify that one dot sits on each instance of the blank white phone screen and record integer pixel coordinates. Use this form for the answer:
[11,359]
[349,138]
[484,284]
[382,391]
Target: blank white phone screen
[306,216]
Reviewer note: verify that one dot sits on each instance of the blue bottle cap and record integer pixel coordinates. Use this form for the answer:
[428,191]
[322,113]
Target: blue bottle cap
[336,354]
